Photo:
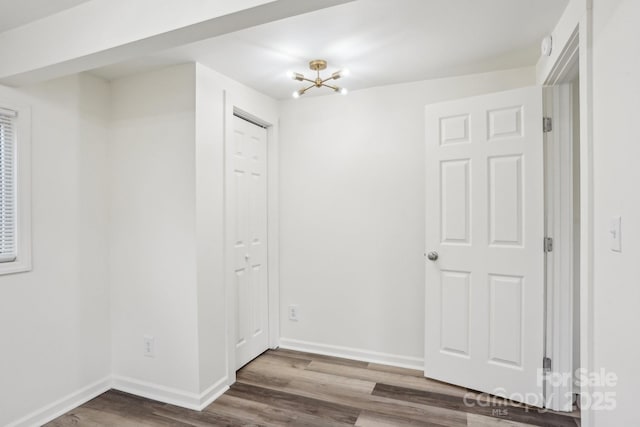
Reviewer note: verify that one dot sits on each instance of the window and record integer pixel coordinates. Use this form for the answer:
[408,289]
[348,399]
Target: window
[15,244]
[7,186]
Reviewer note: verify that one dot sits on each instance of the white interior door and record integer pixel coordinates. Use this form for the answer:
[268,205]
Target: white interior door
[249,211]
[485,221]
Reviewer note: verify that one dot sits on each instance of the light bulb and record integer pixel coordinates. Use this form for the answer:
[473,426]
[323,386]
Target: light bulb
[296,94]
[344,91]
[340,73]
[295,76]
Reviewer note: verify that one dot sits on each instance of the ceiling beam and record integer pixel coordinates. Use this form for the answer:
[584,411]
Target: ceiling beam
[103,32]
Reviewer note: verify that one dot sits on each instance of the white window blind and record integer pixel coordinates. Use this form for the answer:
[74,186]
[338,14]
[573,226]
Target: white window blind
[8,249]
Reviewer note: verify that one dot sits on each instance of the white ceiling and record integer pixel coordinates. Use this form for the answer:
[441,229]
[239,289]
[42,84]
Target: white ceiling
[381,41]
[16,13]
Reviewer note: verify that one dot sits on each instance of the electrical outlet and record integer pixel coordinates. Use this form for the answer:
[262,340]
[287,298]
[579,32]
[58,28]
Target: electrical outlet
[149,349]
[615,233]
[293,313]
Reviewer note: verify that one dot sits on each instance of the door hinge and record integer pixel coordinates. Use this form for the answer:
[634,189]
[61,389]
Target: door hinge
[548,244]
[546,364]
[547,124]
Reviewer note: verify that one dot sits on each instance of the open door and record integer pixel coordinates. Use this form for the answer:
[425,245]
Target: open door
[484,238]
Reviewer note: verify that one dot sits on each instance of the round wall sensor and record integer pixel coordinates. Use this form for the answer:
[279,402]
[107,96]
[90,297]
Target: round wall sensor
[546,46]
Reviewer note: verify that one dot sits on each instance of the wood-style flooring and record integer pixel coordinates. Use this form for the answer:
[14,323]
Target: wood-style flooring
[283,387]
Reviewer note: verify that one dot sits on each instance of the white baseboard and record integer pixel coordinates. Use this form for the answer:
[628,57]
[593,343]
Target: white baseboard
[61,406]
[129,385]
[353,353]
[200,401]
[171,395]
[212,393]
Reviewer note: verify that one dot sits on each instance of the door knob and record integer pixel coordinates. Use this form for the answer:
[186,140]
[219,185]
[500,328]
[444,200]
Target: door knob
[432,256]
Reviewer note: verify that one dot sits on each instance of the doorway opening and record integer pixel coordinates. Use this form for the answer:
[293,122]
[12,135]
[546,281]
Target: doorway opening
[503,235]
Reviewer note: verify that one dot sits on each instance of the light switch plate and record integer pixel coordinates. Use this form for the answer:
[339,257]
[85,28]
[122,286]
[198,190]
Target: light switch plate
[615,234]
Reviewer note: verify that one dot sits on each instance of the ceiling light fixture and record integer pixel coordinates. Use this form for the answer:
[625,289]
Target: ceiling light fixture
[317,65]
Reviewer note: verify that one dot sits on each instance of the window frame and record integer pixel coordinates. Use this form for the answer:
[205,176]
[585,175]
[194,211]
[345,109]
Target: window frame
[22,143]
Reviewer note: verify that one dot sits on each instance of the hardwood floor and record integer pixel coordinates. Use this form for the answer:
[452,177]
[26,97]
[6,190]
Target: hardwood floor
[283,387]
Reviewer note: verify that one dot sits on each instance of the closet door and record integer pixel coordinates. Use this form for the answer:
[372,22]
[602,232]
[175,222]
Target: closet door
[249,228]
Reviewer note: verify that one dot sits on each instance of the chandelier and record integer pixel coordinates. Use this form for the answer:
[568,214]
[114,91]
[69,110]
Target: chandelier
[317,65]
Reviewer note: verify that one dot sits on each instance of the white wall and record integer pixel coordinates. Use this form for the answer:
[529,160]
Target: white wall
[54,320]
[152,246]
[209,169]
[352,214]
[166,164]
[616,139]
[127,240]
[216,96]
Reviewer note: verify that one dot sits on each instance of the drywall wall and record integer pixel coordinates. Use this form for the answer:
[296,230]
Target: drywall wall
[166,169]
[127,241]
[54,320]
[209,179]
[616,148]
[352,215]
[152,243]
[216,98]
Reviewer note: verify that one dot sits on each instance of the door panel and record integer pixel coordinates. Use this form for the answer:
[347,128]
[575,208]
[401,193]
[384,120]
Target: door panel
[455,312]
[455,201]
[250,239]
[505,201]
[505,328]
[485,217]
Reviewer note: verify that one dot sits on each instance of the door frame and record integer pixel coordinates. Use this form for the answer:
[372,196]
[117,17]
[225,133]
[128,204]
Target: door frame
[575,28]
[245,109]
[559,225]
